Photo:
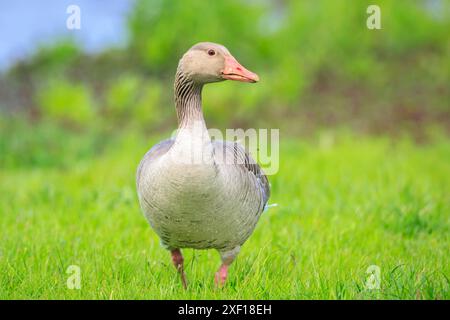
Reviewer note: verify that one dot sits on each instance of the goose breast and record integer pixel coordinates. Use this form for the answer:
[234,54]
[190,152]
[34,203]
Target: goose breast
[202,206]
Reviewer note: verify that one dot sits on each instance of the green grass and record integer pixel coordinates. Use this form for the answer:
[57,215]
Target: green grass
[345,203]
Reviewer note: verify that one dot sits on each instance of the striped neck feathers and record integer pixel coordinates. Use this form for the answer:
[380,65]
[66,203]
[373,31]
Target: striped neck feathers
[188,100]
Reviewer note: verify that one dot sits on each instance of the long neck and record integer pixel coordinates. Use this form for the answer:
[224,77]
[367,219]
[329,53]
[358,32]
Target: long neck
[188,100]
[192,143]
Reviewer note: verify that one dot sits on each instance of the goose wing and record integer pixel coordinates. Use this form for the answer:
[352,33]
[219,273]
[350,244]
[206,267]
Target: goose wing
[154,153]
[233,153]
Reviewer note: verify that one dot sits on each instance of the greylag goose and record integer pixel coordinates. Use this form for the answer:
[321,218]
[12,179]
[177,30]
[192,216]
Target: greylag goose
[197,192]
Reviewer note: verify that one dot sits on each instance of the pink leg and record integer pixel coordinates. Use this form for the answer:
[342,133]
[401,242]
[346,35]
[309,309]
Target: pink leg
[177,259]
[221,275]
[227,258]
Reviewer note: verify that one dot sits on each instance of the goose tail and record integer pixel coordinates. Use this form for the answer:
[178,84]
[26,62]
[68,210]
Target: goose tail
[268,206]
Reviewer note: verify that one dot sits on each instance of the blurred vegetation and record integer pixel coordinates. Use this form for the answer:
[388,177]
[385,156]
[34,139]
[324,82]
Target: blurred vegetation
[73,127]
[319,64]
[344,203]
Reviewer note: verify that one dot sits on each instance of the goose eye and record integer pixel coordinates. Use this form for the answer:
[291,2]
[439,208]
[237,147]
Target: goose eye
[211,52]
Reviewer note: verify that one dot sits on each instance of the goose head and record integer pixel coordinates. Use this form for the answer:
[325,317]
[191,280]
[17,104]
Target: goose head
[208,62]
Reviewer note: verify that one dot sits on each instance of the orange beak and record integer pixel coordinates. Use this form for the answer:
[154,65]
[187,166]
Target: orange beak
[233,70]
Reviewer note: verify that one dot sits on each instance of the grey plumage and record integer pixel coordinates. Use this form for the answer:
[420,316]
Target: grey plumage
[211,204]
[233,180]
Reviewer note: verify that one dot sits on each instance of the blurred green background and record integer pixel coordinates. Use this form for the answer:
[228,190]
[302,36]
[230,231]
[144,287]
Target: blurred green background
[364,119]
[319,64]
